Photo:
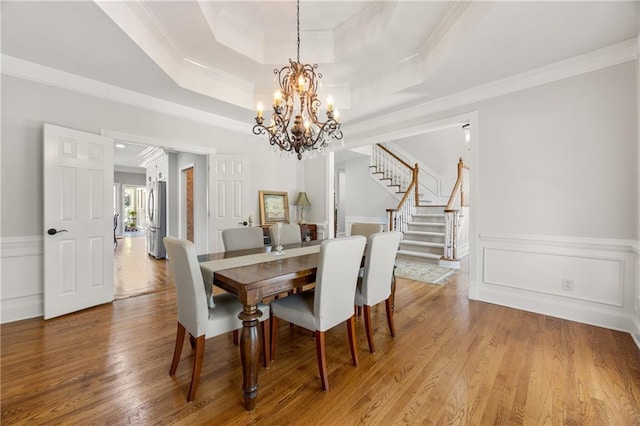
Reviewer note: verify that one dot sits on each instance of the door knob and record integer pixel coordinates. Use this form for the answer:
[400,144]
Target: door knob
[53,231]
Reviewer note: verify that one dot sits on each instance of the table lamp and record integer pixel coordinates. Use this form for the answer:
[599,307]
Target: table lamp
[302,202]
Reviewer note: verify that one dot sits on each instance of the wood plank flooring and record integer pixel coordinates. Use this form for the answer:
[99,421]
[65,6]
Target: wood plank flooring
[453,361]
[135,272]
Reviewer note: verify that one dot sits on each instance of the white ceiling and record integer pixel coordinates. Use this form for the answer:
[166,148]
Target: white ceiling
[219,56]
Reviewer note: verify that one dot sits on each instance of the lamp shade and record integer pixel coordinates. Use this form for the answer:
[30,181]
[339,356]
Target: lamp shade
[303,200]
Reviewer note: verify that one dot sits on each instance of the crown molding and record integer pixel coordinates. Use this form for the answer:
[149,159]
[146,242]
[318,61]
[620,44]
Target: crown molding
[608,56]
[50,76]
[139,24]
[612,55]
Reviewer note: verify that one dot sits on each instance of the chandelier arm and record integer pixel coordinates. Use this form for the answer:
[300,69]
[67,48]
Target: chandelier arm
[331,128]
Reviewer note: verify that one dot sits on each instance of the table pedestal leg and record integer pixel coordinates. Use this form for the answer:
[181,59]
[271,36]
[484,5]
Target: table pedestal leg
[250,354]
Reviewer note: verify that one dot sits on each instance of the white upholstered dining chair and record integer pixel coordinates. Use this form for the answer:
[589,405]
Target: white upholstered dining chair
[290,234]
[374,286]
[365,229]
[195,317]
[330,303]
[242,238]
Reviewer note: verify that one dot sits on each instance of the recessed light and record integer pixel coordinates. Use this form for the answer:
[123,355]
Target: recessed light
[119,145]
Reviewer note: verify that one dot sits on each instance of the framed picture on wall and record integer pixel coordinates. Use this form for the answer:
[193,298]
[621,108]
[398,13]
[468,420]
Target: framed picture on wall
[274,207]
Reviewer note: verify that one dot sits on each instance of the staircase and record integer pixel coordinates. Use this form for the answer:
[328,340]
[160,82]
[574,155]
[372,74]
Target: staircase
[424,236]
[432,233]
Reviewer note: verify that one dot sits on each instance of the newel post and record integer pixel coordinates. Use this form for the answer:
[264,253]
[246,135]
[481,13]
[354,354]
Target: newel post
[461,177]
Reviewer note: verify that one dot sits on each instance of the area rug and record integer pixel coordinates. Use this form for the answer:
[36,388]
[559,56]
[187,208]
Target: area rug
[425,272]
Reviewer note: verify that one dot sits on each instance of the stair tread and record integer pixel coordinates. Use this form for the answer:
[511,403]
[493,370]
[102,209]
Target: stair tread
[419,254]
[426,223]
[424,233]
[421,243]
[428,215]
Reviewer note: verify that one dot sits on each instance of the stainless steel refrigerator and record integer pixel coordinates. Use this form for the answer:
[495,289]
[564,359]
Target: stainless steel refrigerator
[156,219]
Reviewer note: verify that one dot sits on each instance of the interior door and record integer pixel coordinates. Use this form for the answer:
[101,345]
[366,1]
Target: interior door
[229,183]
[78,220]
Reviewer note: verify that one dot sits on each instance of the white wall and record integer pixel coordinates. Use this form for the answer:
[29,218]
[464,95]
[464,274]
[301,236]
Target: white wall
[26,106]
[636,330]
[439,151]
[563,156]
[554,180]
[557,198]
[365,200]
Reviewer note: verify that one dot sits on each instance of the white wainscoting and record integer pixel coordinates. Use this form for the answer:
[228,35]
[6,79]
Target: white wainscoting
[22,278]
[635,332]
[527,272]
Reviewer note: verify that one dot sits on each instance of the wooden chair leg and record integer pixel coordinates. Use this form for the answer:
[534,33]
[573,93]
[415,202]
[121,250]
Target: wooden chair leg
[274,336]
[368,328]
[393,288]
[322,360]
[236,337]
[351,329]
[266,347]
[197,367]
[177,351]
[389,305]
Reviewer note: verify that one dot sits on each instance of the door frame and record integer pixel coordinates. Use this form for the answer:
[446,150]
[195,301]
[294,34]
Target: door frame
[171,145]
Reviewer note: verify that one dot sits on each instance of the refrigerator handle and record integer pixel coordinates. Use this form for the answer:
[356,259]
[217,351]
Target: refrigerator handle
[151,206]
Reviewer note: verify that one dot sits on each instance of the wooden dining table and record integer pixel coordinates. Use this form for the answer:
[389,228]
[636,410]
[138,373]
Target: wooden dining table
[265,275]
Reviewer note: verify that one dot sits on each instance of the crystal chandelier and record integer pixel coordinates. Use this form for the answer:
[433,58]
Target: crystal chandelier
[297,92]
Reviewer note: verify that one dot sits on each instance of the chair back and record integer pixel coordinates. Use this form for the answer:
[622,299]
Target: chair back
[365,229]
[336,280]
[380,258]
[290,234]
[193,312]
[242,238]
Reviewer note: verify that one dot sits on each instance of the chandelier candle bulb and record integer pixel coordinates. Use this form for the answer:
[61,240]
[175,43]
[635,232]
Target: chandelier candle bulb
[329,104]
[260,109]
[277,98]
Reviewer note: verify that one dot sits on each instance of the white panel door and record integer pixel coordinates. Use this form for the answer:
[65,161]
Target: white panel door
[78,220]
[229,182]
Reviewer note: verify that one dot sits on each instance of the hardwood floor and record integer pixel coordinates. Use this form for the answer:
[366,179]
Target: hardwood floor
[452,361]
[135,272]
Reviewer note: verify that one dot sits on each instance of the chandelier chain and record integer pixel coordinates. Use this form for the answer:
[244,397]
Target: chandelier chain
[298,30]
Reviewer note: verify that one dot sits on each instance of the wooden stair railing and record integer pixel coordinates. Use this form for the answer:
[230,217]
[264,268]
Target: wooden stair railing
[392,168]
[402,175]
[452,214]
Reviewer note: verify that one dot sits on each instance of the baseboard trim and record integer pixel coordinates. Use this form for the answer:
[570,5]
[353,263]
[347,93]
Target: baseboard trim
[600,318]
[21,308]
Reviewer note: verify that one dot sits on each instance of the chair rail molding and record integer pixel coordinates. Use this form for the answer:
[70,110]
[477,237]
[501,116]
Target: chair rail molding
[588,280]
[21,260]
